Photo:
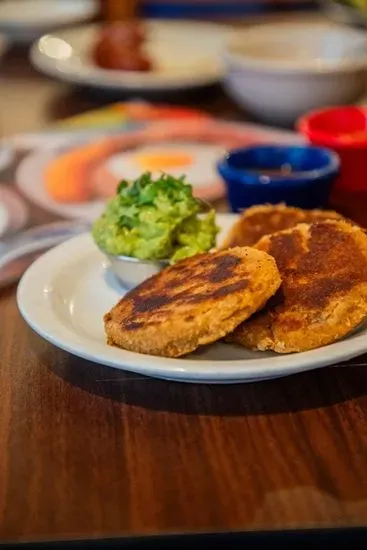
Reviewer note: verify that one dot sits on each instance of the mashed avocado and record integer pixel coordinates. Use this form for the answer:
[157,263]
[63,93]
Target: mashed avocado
[155,219]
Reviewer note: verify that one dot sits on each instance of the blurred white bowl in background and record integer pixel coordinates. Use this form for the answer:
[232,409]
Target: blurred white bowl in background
[280,71]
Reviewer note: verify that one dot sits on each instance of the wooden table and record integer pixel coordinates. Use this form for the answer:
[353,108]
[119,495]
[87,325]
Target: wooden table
[86,451]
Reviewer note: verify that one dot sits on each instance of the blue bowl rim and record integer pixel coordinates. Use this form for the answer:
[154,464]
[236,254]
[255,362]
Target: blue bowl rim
[242,174]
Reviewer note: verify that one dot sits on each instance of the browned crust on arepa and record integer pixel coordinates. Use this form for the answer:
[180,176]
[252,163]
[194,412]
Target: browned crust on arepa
[194,302]
[323,296]
[258,221]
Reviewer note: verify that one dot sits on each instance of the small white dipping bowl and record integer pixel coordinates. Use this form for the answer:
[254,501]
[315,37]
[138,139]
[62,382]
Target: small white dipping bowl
[280,71]
[131,272]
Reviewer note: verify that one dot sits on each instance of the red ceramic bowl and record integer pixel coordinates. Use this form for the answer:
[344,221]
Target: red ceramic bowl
[343,129]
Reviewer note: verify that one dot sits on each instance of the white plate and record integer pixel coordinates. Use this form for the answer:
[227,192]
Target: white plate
[172,46]
[205,142]
[65,293]
[30,178]
[24,20]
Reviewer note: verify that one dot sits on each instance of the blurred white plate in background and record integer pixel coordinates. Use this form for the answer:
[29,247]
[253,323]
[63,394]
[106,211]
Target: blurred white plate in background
[31,181]
[185,54]
[24,20]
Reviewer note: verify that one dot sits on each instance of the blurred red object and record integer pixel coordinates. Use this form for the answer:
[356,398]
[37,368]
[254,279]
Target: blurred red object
[119,47]
[156,112]
[343,129]
[118,10]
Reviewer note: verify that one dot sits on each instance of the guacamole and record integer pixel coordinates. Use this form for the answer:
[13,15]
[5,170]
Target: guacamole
[154,219]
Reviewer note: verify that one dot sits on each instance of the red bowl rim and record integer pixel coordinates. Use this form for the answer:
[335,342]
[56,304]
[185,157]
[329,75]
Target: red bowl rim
[304,125]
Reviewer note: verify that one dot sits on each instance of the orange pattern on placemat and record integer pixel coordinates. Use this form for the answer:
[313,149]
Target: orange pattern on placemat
[66,177]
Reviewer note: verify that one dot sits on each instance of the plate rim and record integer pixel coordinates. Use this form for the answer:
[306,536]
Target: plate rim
[127,80]
[45,269]
[82,211]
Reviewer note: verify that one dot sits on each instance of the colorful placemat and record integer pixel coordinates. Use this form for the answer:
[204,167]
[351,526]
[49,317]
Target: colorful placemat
[73,167]
[115,118]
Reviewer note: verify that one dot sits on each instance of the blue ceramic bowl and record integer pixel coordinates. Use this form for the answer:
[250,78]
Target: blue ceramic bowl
[297,175]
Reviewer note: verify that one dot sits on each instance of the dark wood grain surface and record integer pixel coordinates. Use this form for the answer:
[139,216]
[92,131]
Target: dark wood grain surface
[86,451]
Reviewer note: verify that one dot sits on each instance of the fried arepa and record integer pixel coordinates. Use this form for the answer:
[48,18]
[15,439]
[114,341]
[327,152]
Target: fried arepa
[194,302]
[323,295]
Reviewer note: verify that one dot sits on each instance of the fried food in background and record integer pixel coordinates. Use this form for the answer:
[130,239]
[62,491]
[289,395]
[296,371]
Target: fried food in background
[66,176]
[323,296]
[81,174]
[194,302]
[120,47]
[265,219]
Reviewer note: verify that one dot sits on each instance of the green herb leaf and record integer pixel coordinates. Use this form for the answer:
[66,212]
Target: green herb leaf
[121,186]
